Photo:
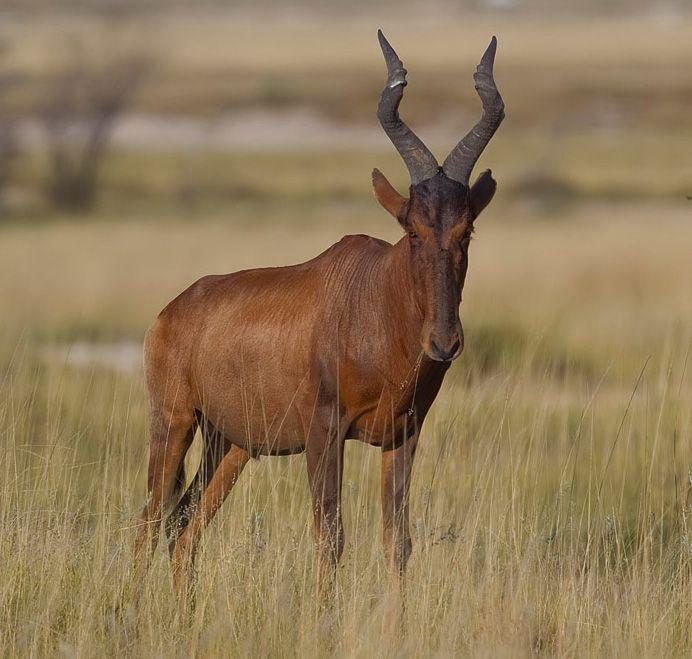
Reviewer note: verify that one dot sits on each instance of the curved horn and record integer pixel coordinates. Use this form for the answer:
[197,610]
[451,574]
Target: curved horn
[463,157]
[420,161]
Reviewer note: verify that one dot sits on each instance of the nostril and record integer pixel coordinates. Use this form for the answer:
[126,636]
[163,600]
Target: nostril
[444,355]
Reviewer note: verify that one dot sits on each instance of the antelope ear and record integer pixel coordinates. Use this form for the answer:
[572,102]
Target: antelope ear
[482,191]
[388,197]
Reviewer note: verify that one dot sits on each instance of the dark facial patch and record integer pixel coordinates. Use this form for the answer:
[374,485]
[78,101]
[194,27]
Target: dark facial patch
[439,218]
[440,204]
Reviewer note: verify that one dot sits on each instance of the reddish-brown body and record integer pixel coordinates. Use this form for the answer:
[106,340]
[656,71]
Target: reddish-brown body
[353,344]
[261,355]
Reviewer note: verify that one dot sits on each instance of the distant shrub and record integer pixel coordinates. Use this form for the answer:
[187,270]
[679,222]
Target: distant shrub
[79,115]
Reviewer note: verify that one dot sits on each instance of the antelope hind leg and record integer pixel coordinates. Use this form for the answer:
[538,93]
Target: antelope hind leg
[215,449]
[219,486]
[171,436]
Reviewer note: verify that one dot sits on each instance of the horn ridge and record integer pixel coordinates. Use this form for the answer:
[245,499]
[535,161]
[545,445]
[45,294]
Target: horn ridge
[419,160]
[460,162]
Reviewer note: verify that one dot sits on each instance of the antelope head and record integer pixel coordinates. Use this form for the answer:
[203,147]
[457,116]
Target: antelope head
[439,213]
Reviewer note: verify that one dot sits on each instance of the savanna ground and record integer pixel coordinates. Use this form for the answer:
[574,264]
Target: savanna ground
[552,488]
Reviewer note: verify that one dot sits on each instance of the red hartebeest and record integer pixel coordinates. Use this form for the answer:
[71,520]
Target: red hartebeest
[352,344]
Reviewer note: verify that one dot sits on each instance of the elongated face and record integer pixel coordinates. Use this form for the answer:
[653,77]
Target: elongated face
[439,224]
[438,219]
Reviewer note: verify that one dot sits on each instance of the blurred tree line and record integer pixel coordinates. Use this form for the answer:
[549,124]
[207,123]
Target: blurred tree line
[77,116]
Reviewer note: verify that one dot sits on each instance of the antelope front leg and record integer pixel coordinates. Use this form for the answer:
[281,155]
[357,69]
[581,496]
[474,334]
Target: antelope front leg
[325,457]
[395,482]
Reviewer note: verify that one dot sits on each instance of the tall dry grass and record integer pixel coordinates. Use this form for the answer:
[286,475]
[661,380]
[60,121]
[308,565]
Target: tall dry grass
[551,492]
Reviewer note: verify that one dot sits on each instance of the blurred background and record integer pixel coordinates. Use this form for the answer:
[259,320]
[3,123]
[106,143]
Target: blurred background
[145,144]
